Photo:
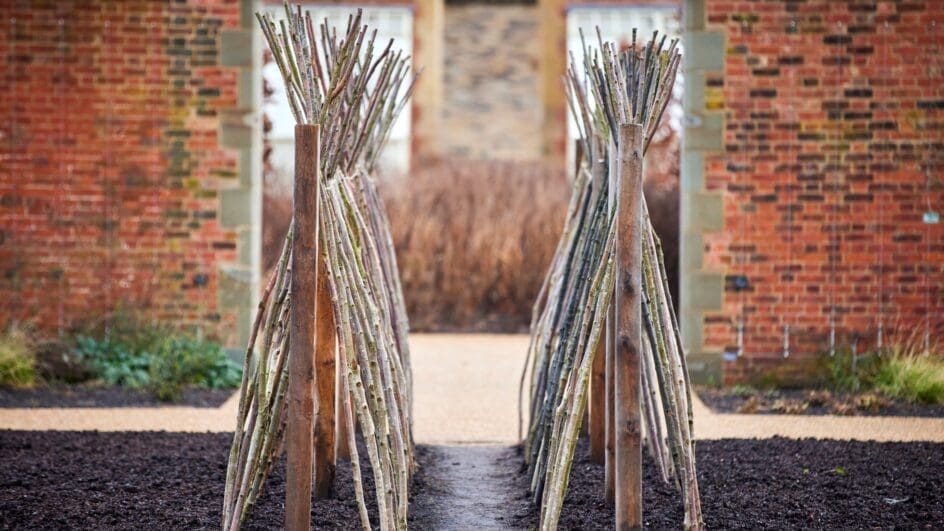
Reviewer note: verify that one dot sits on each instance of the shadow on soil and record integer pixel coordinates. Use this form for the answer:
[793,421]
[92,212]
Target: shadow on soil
[468,487]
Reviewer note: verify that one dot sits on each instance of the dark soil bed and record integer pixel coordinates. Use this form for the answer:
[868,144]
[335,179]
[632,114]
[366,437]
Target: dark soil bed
[81,396]
[146,480]
[154,480]
[779,484]
[812,402]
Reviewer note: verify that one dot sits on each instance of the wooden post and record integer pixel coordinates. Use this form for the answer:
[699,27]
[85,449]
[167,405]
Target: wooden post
[325,372]
[628,322]
[597,402]
[301,377]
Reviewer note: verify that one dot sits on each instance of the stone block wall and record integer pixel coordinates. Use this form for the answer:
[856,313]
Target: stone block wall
[491,101]
[127,151]
[812,153]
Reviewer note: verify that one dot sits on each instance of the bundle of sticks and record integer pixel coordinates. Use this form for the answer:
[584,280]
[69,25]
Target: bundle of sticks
[354,94]
[610,88]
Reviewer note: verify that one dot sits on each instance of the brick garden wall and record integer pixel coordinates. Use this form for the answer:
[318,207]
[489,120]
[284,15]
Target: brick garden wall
[833,114]
[112,165]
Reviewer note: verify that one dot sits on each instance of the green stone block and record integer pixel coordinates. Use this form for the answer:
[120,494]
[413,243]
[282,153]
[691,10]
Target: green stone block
[706,211]
[236,48]
[247,16]
[247,169]
[704,50]
[691,251]
[707,135]
[693,98]
[246,248]
[236,207]
[705,367]
[245,89]
[692,323]
[693,172]
[235,134]
[235,292]
[694,14]
[705,291]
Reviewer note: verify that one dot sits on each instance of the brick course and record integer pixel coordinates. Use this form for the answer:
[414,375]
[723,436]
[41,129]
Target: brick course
[831,154]
[110,115]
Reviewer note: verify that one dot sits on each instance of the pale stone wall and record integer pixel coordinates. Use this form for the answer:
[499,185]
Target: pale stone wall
[491,103]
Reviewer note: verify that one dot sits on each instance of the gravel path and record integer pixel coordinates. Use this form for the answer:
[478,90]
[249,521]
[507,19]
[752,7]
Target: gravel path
[466,388]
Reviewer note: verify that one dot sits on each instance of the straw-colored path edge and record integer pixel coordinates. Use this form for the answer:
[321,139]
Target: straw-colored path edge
[466,391]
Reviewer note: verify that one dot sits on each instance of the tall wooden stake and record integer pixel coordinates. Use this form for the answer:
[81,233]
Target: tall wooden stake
[301,378]
[326,372]
[628,303]
[597,402]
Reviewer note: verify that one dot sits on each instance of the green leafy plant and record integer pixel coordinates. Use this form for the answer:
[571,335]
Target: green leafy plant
[742,391]
[115,362]
[157,358]
[182,360]
[17,361]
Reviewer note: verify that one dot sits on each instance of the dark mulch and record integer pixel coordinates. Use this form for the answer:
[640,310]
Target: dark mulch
[812,402]
[780,484]
[82,396]
[146,480]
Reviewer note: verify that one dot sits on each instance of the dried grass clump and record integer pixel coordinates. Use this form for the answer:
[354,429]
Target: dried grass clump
[276,218]
[472,240]
[513,211]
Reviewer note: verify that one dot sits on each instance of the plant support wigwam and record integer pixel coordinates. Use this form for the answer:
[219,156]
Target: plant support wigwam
[610,88]
[338,81]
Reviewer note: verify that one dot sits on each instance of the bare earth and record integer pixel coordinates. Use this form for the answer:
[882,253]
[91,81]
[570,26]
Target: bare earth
[466,392]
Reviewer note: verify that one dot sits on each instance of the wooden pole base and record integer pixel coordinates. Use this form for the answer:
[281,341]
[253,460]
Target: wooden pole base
[628,304]
[299,436]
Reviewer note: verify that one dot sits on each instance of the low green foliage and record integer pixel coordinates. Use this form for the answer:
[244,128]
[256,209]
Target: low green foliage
[156,358]
[915,378]
[182,360]
[902,371]
[17,361]
[742,391]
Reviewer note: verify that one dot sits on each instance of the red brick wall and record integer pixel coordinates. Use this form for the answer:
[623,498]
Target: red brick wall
[832,152]
[111,165]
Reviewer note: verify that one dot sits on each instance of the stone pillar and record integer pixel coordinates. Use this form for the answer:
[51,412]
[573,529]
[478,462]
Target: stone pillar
[701,290]
[553,35]
[241,205]
[428,21]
